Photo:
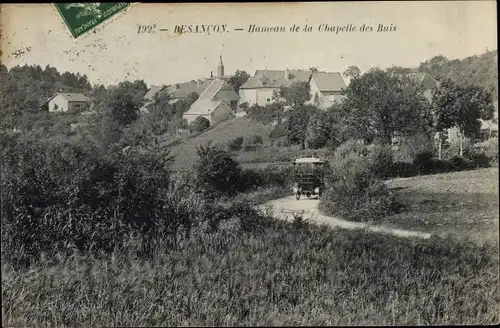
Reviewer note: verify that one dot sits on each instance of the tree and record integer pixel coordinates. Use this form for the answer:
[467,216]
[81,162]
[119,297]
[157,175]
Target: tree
[199,124]
[460,106]
[120,106]
[124,101]
[266,114]
[379,106]
[295,95]
[297,124]
[352,72]
[338,129]
[238,79]
[318,130]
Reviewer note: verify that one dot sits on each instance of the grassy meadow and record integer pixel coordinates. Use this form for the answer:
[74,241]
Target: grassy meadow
[457,204]
[220,134]
[280,274]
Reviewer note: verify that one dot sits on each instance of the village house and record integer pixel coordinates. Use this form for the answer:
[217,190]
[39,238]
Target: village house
[326,89]
[67,102]
[216,103]
[259,89]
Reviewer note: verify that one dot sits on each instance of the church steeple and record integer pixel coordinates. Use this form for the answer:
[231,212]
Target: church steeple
[220,68]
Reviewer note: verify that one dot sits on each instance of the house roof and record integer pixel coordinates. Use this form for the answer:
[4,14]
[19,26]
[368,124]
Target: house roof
[421,78]
[183,90]
[216,93]
[329,81]
[70,96]
[275,78]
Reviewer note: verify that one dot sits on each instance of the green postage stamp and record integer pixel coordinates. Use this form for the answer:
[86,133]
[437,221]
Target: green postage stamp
[83,17]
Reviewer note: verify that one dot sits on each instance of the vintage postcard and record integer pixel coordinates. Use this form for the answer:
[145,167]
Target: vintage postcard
[249,164]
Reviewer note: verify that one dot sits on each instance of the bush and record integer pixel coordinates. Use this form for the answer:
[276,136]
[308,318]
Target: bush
[216,171]
[235,144]
[254,142]
[380,158]
[279,131]
[460,163]
[349,148]
[422,162]
[57,193]
[271,176]
[355,192]
[491,150]
[410,146]
[200,124]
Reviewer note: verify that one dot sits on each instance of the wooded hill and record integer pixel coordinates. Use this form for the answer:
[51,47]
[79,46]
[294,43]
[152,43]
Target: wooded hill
[479,70]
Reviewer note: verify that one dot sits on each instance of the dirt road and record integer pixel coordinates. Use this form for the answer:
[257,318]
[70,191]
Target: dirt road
[285,208]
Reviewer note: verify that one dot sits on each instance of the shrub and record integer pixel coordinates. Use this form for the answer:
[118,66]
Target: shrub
[410,146]
[57,193]
[200,124]
[491,150]
[421,162]
[355,192]
[235,144]
[349,148]
[402,170]
[380,158]
[216,171]
[271,176]
[279,131]
[460,163]
[253,142]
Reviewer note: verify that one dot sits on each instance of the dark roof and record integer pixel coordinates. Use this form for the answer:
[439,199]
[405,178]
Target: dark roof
[275,78]
[80,97]
[183,90]
[217,92]
[329,81]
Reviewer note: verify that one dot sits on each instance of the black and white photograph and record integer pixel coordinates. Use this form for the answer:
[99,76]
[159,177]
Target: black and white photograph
[249,164]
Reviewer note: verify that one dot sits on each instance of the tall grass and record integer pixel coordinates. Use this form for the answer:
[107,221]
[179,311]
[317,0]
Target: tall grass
[277,274]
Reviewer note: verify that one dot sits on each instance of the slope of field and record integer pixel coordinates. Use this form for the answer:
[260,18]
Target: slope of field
[461,204]
[185,153]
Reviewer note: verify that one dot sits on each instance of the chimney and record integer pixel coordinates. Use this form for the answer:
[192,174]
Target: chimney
[287,74]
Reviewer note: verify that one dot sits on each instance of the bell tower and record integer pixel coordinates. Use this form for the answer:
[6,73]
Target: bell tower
[220,68]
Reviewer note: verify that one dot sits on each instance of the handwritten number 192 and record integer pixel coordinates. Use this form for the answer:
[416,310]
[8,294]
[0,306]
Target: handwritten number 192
[146,28]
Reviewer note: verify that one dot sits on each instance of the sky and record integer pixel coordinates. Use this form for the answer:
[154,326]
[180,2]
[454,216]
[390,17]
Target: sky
[36,34]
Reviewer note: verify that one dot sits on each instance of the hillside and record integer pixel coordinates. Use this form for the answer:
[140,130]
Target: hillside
[479,70]
[222,133]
